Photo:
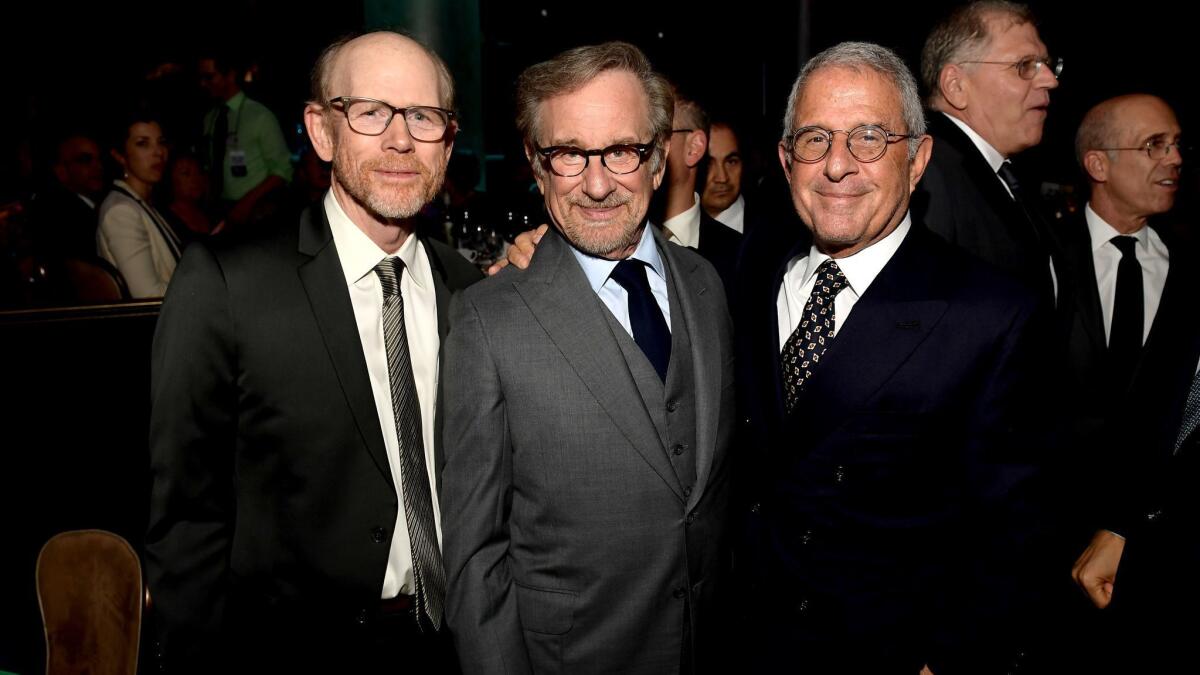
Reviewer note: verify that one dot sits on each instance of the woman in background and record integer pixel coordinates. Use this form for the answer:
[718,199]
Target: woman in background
[133,235]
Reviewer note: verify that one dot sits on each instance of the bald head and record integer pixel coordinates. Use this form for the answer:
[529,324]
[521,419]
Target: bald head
[1127,147]
[388,51]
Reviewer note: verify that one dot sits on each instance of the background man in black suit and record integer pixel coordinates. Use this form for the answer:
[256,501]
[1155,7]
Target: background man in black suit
[1130,339]
[64,213]
[294,398]
[989,78]
[684,222]
[884,374]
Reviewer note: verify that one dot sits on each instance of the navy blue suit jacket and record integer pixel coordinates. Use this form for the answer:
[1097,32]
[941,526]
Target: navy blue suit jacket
[884,513]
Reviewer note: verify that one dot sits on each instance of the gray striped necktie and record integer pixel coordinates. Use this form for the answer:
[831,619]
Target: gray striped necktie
[428,573]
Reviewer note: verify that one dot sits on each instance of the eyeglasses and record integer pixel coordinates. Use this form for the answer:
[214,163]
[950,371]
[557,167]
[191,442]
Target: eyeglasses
[1029,67]
[866,143]
[569,161]
[682,131]
[371,117]
[1157,148]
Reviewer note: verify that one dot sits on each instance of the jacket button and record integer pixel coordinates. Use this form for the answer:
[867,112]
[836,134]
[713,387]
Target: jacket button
[691,518]
[1154,515]
[687,492]
[806,538]
[839,474]
[679,448]
[756,507]
[361,619]
[747,421]
[802,606]
[379,535]
[672,406]
[678,593]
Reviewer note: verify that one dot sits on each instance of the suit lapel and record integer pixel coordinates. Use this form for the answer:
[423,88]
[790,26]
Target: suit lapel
[561,300]
[325,284]
[701,328]
[899,310]
[1082,269]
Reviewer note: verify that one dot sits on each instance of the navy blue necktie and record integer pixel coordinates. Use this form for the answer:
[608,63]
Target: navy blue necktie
[650,330]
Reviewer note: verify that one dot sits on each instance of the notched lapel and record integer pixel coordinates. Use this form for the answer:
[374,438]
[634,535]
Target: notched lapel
[325,284]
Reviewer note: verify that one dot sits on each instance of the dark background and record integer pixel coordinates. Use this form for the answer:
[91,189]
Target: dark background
[73,453]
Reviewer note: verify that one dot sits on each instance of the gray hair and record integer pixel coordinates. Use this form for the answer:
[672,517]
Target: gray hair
[857,56]
[963,36]
[319,80]
[575,68]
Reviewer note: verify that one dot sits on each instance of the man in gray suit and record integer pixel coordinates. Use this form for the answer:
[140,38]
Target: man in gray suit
[589,406]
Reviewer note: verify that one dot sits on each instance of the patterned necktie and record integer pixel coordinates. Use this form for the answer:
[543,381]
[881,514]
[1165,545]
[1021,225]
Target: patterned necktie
[1191,413]
[1128,317]
[650,330]
[804,347]
[429,575]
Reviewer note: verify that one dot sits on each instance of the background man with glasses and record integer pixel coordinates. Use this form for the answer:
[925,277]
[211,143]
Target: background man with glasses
[590,406]
[988,80]
[884,375]
[294,428]
[1133,354]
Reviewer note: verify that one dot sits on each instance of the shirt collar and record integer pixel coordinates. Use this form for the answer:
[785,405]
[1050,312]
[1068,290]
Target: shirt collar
[358,254]
[597,270]
[733,213]
[686,226]
[861,268]
[992,155]
[236,102]
[1101,232]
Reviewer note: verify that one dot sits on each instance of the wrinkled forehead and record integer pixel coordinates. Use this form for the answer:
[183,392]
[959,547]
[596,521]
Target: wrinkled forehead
[1146,118]
[842,97]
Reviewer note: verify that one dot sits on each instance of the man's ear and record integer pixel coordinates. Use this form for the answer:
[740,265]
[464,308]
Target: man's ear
[695,148]
[320,133]
[538,176]
[954,86]
[1095,164]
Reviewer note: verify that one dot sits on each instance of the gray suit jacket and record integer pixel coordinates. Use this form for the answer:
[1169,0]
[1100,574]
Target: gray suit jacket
[570,545]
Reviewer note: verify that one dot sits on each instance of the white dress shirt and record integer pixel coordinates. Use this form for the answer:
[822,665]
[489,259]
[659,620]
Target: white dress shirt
[359,256]
[1151,253]
[612,294]
[860,270]
[684,227]
[734,217]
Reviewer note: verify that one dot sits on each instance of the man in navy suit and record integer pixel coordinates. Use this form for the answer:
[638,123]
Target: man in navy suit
[883,376]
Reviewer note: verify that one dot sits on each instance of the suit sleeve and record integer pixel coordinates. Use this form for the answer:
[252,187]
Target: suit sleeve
[481,603]
[1009,436]
[125,242]
[192,441]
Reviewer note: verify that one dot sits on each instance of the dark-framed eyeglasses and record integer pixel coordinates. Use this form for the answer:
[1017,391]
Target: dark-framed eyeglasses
[866,143]
[371,117]
[1157,148]
[1029,67]
[569,161]
[682,131]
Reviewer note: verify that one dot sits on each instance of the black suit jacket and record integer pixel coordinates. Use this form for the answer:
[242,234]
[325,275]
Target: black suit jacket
[1099,407]
[719,244]
[961,199]
[64,225]
[273,505]
[883,509]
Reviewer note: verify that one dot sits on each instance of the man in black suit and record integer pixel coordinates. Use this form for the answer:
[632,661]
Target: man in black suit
[1131,339]
[989,81]
[884,375]
[64,214]
[294,428]
[678,202]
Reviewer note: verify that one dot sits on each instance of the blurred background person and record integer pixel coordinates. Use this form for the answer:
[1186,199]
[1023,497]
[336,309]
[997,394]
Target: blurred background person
[722,198]
[133,235]
[186,205]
